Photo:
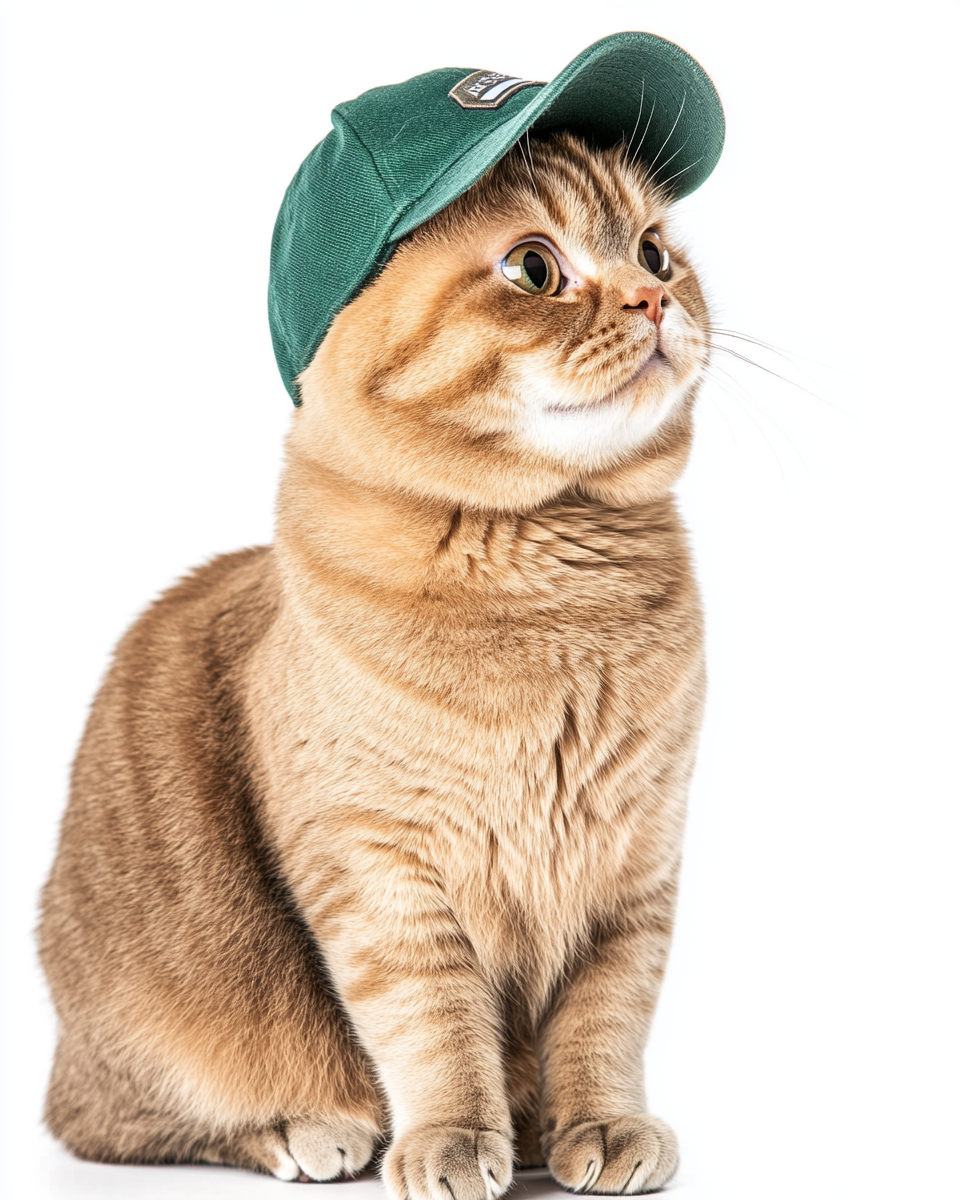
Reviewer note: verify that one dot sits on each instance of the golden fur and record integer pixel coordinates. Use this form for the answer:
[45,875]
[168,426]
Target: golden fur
[374,834]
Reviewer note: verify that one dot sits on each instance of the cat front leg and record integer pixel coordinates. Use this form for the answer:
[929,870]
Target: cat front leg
[409,980]
[598,1136]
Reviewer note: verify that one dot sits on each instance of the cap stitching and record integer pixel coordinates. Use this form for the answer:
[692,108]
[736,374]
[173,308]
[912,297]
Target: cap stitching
[366,150]
[453,163]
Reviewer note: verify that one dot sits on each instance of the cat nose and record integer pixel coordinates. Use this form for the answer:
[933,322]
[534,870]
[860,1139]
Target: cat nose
[648,302]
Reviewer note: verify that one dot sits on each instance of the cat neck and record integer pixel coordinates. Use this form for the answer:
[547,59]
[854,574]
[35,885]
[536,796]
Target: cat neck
[335,530]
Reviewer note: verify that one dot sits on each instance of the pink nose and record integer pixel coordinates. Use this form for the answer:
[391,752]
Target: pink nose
[647,302]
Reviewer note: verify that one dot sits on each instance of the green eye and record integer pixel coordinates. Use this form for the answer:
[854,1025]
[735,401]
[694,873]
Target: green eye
[654,255]
[533,268]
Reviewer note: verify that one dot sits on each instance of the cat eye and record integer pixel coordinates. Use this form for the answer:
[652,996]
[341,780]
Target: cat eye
[654,255]
[533,268]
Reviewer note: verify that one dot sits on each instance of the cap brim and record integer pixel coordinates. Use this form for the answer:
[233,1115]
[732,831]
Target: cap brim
[631,88]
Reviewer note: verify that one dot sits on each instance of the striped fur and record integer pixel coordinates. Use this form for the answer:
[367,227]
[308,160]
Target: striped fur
[374,834]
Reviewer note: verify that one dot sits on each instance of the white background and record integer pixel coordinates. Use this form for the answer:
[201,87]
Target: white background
[806,1040]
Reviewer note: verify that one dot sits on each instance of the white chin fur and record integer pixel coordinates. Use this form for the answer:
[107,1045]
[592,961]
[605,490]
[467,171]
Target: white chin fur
[597,436]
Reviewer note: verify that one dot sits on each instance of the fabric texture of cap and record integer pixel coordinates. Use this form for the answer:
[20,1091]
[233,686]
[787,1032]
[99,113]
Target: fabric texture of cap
[399,154]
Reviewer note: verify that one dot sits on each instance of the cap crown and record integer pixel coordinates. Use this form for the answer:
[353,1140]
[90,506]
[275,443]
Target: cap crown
[398,154]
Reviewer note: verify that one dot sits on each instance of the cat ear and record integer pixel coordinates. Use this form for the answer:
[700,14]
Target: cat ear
[651,472]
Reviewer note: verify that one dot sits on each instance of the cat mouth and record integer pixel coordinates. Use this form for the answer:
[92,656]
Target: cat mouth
[656,360]
[653,363]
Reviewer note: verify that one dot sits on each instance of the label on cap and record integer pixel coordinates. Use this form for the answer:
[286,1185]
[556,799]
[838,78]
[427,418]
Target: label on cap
[488,89]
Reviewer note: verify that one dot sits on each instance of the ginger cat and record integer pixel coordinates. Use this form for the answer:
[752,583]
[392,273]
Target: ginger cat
[374,833]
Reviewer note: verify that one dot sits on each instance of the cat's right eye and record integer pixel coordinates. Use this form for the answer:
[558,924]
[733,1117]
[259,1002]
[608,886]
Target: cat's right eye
[654,255]
[533,268]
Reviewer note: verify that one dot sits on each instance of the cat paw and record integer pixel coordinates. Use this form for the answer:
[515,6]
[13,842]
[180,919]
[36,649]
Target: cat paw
[442,1162]
[614,1158]
[321,1148]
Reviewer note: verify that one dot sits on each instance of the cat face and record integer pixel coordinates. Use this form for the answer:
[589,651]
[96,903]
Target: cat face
[542,331]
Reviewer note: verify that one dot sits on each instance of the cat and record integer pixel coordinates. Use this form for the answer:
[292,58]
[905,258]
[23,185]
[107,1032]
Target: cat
[373,836]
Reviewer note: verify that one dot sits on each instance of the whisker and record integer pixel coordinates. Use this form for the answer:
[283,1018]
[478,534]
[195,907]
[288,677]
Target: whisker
[747,398]
[769,370]
[637,122]
[759,428]
[747,359]
[746,337]
[653,109]
[788,356]
[529,164]
[667,161]
[663,182]
[719,408]
[670,134]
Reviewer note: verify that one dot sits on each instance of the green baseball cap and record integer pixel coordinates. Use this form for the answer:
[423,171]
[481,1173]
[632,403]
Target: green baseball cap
[399,154]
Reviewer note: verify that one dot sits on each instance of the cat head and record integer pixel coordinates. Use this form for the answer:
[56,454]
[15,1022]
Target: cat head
[545,331]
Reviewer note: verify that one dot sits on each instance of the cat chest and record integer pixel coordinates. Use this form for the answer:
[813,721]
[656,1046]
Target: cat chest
[531,807]
[586,829]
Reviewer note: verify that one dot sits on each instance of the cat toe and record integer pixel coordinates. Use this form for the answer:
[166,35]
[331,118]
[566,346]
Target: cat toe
[275,1158]
[624,1156]
[329,1147]
[441,1162]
